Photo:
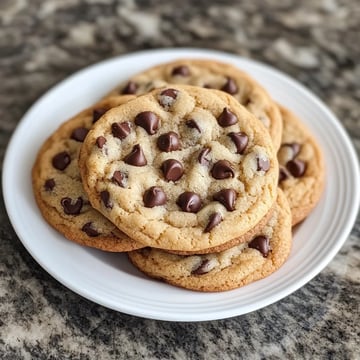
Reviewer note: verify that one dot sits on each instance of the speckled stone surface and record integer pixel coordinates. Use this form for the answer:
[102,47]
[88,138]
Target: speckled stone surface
[42,42]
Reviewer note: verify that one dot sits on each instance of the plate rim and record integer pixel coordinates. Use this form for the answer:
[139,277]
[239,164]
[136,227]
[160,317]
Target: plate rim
[6,180]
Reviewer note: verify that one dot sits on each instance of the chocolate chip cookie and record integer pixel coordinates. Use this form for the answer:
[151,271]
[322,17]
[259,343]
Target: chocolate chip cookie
[58,189]
[230,269]
[302,170]
[180,168]
[216,75]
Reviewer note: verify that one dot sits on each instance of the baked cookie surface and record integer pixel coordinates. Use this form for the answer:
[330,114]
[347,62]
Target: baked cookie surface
[302,170]
[216,75]
[229,269]
[180,168]
[58,188]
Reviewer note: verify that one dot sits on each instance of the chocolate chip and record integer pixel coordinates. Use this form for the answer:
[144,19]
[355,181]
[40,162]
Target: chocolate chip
[168,142]
[189,202]
[226,197]
[263,164]
[100,142]
[121,130]
[282,175]
[89,230]
[261,243]
[167,98]
[230,86]
[203,268]
[49,184]
[181,70]
[71,208]
[154,196]
[240,140]
[61,160]
[296,167]
[147,120]
[222,170]
[192,124]
[295,147]
[98,113]
[130,88]
[172,169]
[227,118]
[118,178]
[214,220]
[203,160]
[170,93]
[79,134]
[136,157]
[105,198]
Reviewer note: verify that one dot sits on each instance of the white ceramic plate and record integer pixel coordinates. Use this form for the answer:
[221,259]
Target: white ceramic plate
[109,279]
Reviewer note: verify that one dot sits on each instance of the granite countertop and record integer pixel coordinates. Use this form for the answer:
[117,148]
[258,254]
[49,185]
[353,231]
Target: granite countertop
[42,42]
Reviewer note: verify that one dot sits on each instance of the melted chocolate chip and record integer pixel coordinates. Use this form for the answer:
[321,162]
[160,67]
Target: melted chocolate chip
[172,169]
[98,113]
[118,178]
[147,120]
[181,70]
[100,142]
[89,230]
[168,142]
[227,197]
[227,118]
[222,170]
[121,130]
[154,196]
[79,134]
[261,243]
[105,198]
[61,160]
[295,147]
[136,157]
[230,86]
[203,268]
[130,88]
[214,220]
[240,140]
[263,164]
[203,160]
[71,208]
[296,167]
[282,175]
[49,184]
[192,124]
[189,202]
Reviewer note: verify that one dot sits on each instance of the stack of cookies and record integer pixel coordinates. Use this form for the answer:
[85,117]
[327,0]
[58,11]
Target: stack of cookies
[191,168]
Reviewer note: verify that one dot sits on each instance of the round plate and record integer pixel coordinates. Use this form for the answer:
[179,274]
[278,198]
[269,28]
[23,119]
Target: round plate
[109,279]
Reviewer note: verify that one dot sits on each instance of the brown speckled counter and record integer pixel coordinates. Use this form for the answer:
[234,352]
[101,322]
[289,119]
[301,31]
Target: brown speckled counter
[42,42]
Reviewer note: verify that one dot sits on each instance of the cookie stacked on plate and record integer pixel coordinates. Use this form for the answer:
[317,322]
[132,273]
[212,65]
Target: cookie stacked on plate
[179,167]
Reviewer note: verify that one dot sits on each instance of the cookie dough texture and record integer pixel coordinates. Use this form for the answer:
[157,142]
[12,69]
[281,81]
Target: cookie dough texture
[201,121]
[58,188]
[302,170]
[216,75]
[226,270]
